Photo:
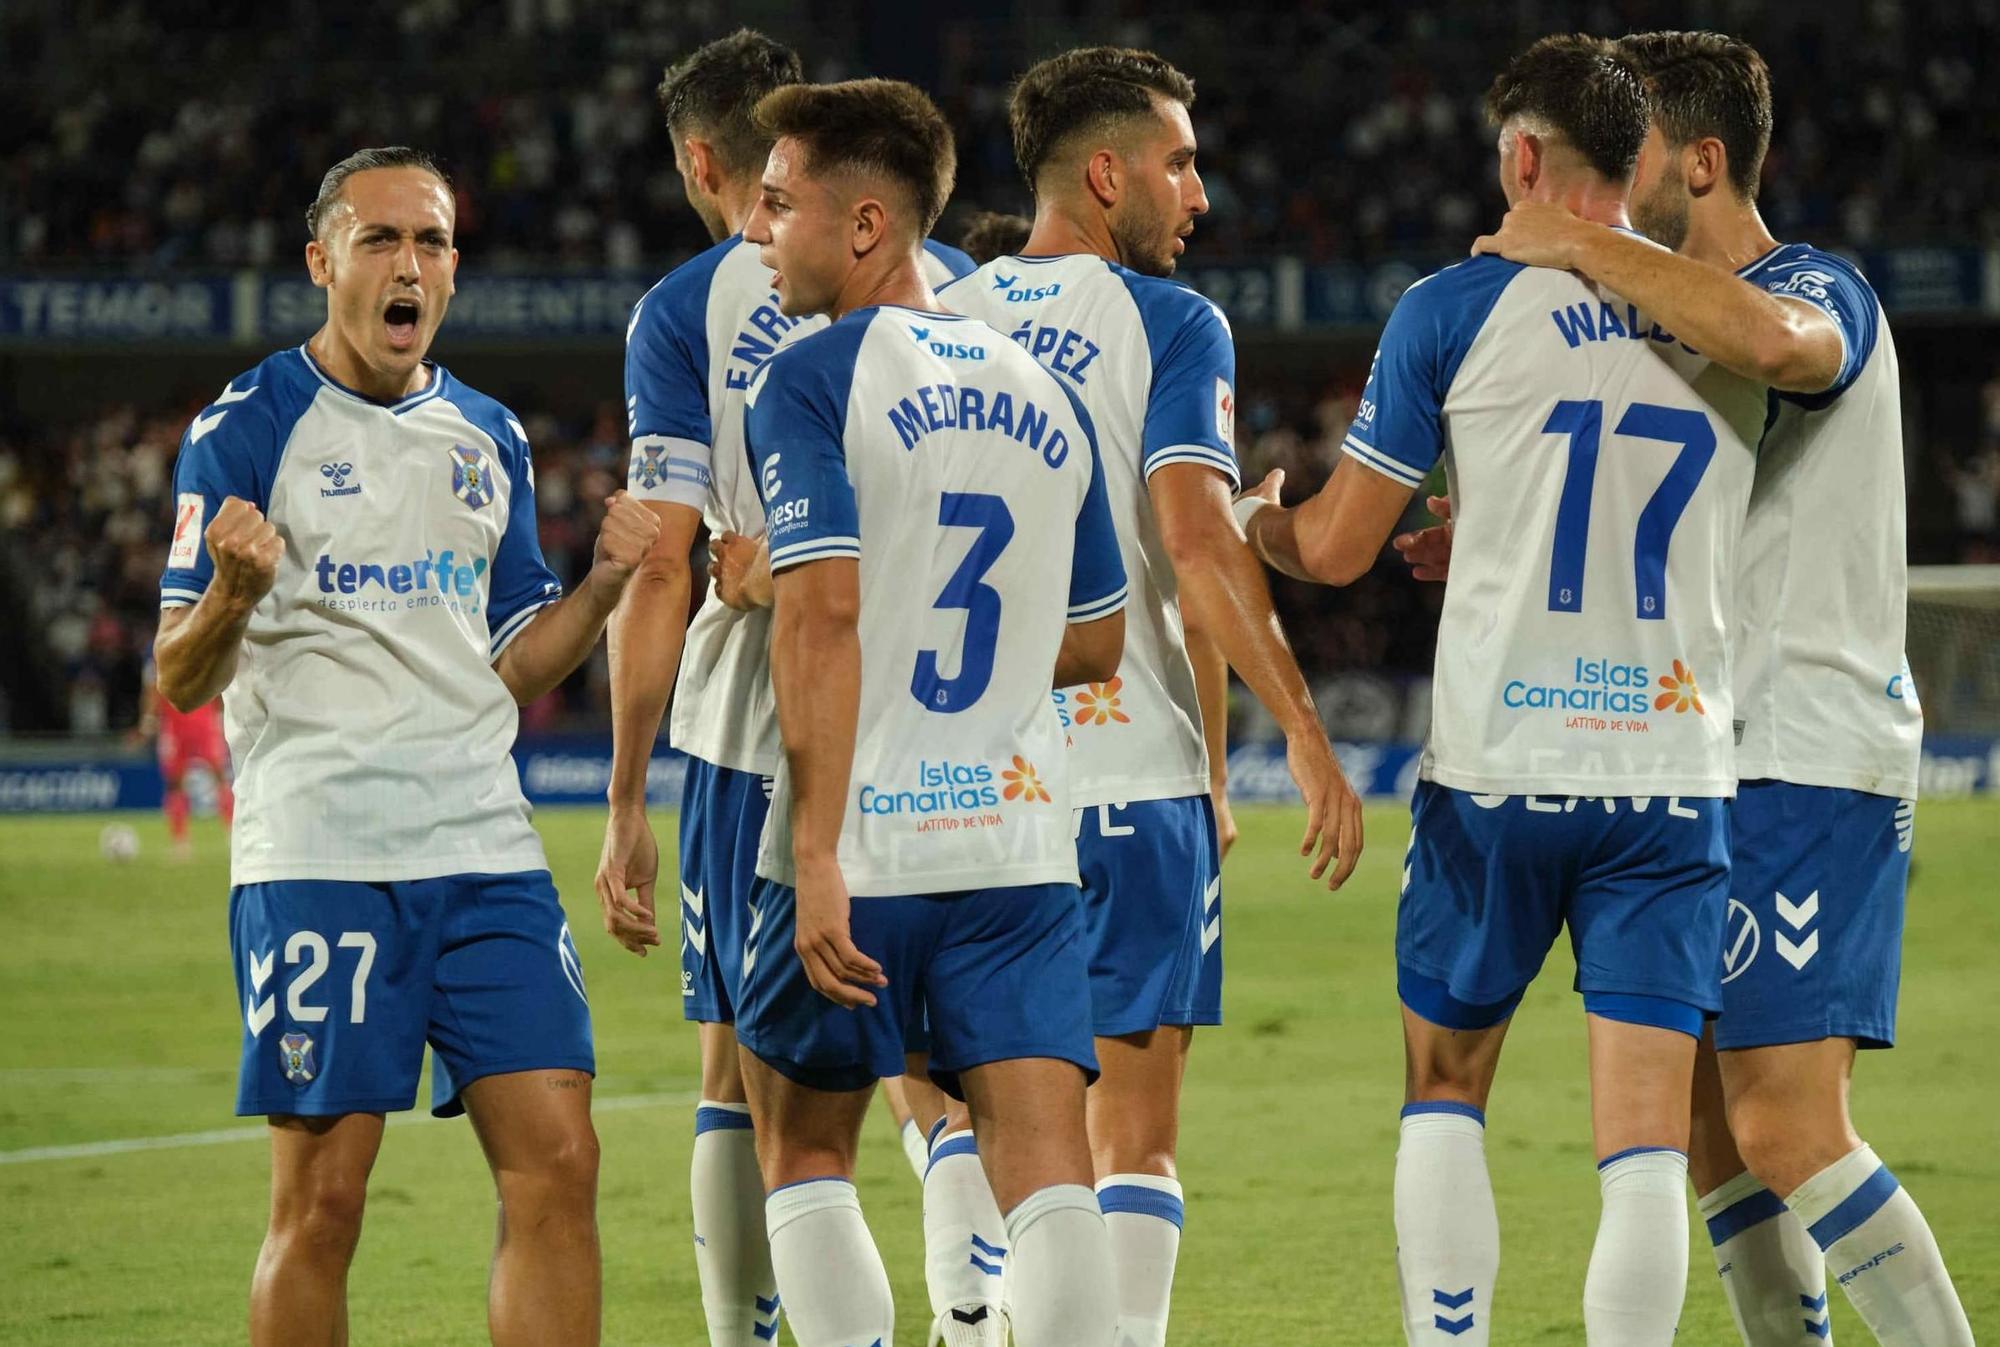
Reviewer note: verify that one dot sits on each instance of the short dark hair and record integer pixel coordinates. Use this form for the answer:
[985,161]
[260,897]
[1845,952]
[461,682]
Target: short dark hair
[874,125]
[1586,91]
[385,156]
[712,90]
[1084,90]
[1709,84]
[991,233]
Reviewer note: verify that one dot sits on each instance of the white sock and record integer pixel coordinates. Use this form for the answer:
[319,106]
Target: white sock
[1638,1274]
[965,1243]
[1882,1252]
[914,1148]
[732,1255]
[1447,1230]
[835,1289]
[1142,1214]
[1063,1292]
[1770,1268]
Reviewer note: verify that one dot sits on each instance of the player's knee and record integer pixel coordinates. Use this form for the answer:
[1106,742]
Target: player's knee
[1437,1077]
[562,1176]
[323,1214]
[1784,1145]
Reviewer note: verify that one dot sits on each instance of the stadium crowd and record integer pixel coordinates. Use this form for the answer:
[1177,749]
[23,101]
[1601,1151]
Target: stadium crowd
[545,113]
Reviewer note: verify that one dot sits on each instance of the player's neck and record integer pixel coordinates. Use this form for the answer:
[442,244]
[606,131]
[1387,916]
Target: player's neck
[1729,234]
[1056,233]
[901,283]
[344,365]
[1591,199]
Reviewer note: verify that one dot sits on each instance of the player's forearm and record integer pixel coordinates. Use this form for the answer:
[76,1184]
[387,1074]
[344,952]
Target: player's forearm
[816,682]
[1225,597]
[645,638]
[1090,651]
[557,639]
[1746,330]
[195,652]
[1273,534]
[1211,686]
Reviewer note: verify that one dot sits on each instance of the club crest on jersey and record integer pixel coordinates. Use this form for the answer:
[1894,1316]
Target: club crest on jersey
[295,1058]
[471,479]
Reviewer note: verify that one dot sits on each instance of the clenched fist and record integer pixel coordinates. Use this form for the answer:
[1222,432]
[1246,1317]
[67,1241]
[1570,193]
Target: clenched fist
[627,534]
[245,548]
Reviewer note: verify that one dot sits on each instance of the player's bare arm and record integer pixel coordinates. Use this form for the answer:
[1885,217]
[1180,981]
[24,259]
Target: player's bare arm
[816,681]
[1225,595]
[1211,688]
[1335,537]
[1785,343]
[644,636]
[195,651]
[1090,651]
[558,637]
[1428,549]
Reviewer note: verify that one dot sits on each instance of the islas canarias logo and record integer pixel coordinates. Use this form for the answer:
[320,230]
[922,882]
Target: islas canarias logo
[1099,704]
[1023,783]
[1681,695]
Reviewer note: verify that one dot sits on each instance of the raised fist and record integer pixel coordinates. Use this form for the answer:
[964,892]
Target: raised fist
[627,534]
[245,548]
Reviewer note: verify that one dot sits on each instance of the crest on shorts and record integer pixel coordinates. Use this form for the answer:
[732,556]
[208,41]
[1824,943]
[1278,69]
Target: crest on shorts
[471,478]
[295,1056]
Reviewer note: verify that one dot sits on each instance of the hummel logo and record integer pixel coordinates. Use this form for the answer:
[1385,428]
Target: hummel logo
[203,424]
[1800,953]
[258,1014]
[336,475]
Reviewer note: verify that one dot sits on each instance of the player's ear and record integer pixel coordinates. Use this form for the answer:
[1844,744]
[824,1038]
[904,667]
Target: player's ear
[1104,176]
[1706,163]
[701,164]
[1527,161]
[871,222]
[319,263]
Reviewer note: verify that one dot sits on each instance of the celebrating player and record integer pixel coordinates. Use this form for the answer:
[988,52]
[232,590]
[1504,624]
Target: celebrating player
[1580,746]
[1104,139]
[932,497]
[695,341]
[355,562]
[1828,722]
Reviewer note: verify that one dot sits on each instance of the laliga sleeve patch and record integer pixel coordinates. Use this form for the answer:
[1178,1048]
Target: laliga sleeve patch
[1225,411]
[188,511]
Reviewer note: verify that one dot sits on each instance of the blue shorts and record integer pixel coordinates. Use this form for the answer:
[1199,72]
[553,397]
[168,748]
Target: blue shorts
[342,983]
[722,816]
[1490,882]
[1814,946]
[1000,972]
[1152,912]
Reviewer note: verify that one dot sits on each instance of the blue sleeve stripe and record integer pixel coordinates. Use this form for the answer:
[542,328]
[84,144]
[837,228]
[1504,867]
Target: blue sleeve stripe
[813,549]
[1194,453]
[1093,609]
[179,597]
[1382,463]
[514,625]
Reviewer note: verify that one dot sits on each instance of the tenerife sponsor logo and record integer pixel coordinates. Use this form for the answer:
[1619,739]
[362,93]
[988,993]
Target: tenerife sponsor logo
[433,579]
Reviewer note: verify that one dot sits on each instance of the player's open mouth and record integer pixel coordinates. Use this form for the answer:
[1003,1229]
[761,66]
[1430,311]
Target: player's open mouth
[401,318]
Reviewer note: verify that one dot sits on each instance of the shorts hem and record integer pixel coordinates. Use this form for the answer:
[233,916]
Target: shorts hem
[1868,1037]
[255,1108]
[1709,1005]
[693,1014]
[1139,1024]
[844,1078]
[1009,1052]
[1479,998]
[451,1108]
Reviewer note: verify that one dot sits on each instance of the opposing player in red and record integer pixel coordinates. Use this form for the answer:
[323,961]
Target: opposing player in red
[184,738]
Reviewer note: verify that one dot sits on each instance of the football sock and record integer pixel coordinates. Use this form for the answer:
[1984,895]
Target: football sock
[835,1289]
[1447,1230]
[1881,1251]
[965,1240]
[1142,1214]
[1060,1270]
[914,1148]
[732,1254]
[1637,1281]
[1770,1268]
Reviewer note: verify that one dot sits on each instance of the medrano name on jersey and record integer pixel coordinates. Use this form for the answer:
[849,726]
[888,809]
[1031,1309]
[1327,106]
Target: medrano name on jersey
[696,341]
[1823,693]
[370,732]
[1154,365]
[1599,471]
[979,537]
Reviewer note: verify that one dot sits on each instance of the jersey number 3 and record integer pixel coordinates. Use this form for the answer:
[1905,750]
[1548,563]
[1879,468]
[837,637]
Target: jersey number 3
[1583,424]
[967,589]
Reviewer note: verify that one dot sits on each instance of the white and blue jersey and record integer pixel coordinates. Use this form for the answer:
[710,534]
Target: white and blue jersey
[370,732]
[695,341]
[1823,694]
[965,479]
[1155,365]
[1598,472]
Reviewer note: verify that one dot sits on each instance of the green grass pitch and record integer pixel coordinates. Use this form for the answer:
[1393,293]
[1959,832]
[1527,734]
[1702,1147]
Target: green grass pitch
[118,1021]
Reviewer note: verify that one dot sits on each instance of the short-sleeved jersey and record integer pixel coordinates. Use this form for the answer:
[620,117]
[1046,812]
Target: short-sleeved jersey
[370,732]
[695,341]
[1599,472]
[1823,694]
[1155,365]
[965,478]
